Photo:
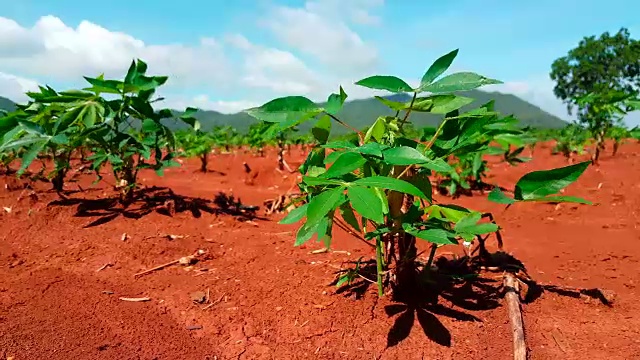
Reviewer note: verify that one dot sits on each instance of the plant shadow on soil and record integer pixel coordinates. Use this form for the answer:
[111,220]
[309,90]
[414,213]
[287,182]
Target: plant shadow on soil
[161,200]
[459,282]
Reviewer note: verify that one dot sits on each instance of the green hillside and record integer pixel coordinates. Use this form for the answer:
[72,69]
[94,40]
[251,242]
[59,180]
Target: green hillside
[361,113]
[6,104]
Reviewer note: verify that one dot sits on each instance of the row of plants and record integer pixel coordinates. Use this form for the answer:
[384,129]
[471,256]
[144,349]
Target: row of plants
[112,120]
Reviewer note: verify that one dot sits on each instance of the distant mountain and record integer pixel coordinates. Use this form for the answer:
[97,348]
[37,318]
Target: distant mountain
[361,113]
[6,104]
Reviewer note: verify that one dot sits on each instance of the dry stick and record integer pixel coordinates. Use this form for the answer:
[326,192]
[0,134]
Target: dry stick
[215,302]
[186,259]
[515,317]
[286,166]
[142,299]
[159,267]
[104,267]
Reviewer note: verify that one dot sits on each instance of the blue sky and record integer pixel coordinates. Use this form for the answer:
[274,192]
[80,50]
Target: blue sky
[509,40]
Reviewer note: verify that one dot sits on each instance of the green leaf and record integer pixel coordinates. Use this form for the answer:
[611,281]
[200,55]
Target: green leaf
[435,236]
[310,180]
[439,165]
[346,163]
[295,215]
[538,184]
[306,231]
[470,225]
[323,203]
[390,183]
[366,203]
[372,148]
[322,129]
[385,82]
[444,104]
[284,109]
[335,102]
[393,105]
[403,155]
[376,130]
[422,182]
[347,214]
[187,118]
[563,199]
[100,85]
[438,68]
[462,81]
[30,154]
[449,212]
[339,144]
[497,196]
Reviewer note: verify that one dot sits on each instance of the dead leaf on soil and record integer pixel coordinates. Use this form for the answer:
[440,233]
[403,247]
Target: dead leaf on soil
[198,297]
[124,237]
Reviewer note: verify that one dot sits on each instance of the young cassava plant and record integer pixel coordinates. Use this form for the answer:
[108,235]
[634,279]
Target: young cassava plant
[196,144]
[379,189]
[121,127]
[46,127]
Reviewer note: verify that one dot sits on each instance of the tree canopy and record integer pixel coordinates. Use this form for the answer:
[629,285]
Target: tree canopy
[598,65]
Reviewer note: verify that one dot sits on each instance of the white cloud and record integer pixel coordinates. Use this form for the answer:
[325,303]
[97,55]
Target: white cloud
[206,103]
[57,51]
[14,87]
[61,54]
[537,90]
[318,29]
[356,11]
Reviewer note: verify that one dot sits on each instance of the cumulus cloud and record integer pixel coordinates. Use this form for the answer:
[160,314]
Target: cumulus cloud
[15,87]
[319,29]
[205,102]
[537,90]
[57,51]
[62,54]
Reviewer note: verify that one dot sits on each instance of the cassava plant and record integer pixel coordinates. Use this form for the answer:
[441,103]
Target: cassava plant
[603,111]
[121,127]
[256,138]
[470,167]
[379,189]
[618,134]
[45,128]
[572,139]
[196,144]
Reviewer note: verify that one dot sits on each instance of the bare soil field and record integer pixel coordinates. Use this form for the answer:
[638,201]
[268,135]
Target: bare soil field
[66,265]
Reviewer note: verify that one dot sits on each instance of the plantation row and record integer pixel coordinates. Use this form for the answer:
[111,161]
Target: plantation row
[113,122]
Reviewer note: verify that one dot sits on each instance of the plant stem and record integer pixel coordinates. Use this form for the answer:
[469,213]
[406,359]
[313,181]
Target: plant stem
[428,146]
[435,135]
[406,115]
[432,255]
[360,134]
[379,265]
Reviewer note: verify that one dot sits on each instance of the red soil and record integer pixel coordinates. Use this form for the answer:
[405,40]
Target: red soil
[273,301]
